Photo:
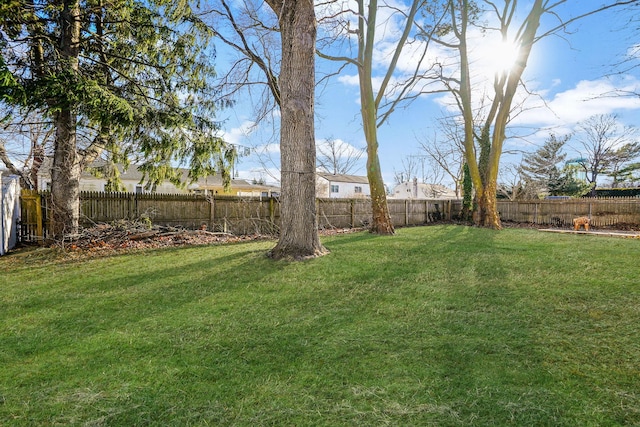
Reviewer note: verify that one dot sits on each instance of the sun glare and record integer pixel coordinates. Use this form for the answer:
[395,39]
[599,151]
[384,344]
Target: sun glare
[501,56]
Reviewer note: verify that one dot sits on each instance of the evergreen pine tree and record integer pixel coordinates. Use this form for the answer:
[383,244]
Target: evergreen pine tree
[121,79]
[540,168]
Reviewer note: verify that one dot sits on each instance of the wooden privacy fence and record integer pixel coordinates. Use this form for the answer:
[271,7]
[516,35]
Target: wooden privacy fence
[247,215]
[560,213]
[238,215]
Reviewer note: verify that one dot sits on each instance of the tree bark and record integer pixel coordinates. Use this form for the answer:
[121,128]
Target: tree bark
[381,218]
[299,223]
[65,177]
[65,171]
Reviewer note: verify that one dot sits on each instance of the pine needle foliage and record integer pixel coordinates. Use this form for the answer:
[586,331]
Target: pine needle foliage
[141,90]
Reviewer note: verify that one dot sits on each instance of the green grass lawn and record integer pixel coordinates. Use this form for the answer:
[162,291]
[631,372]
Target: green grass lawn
[436,326]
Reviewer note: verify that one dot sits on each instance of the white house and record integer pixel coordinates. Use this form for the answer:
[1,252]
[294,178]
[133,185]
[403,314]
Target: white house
[341,186]
[418,190]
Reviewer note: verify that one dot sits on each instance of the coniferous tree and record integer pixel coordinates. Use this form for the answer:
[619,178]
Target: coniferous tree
[540,168]
[544,171]
[121,79]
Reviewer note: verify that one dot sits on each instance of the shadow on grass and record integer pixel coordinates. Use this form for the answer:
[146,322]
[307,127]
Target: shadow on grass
[237,339]
[103,300]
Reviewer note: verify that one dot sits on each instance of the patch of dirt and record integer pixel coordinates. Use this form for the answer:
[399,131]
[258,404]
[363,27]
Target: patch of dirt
[124,236]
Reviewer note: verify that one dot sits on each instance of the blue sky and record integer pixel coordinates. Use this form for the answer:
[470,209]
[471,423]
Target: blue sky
[571,76]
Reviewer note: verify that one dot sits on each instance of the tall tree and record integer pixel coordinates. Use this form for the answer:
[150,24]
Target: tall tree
[484,166]
[298,220]
[484,137]
[125,79]
[287,76]
[607,146]
[378,103]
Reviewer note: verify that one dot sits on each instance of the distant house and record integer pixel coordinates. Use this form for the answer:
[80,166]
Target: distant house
[418,190]
[237,187]
[341,186]
[132,181]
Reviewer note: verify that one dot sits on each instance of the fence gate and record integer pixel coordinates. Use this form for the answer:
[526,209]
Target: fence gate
[31,229]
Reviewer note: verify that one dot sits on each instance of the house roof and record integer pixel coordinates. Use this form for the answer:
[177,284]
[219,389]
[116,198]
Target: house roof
[131,173]
[134,174]
[344,178]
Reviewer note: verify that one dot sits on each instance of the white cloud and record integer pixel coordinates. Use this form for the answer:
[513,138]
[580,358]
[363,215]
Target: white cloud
[587,98]
[349,80]
[269,175]
[238,134]
[269,148]
[341,147]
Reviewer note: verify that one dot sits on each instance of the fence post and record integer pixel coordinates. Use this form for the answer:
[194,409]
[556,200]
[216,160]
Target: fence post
[272,211]
[2,232]
[132,206]
[353,213]
[212,212]
[406,212]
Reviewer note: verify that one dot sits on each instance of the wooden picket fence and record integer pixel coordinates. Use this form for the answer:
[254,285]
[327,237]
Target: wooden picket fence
[237,215]
[605,212]
[249,215]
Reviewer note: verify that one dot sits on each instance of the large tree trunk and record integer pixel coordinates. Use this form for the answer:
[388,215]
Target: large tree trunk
[299,224]
[65,173]
[487,214]
[65,170]
[65,178]
[381,218]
